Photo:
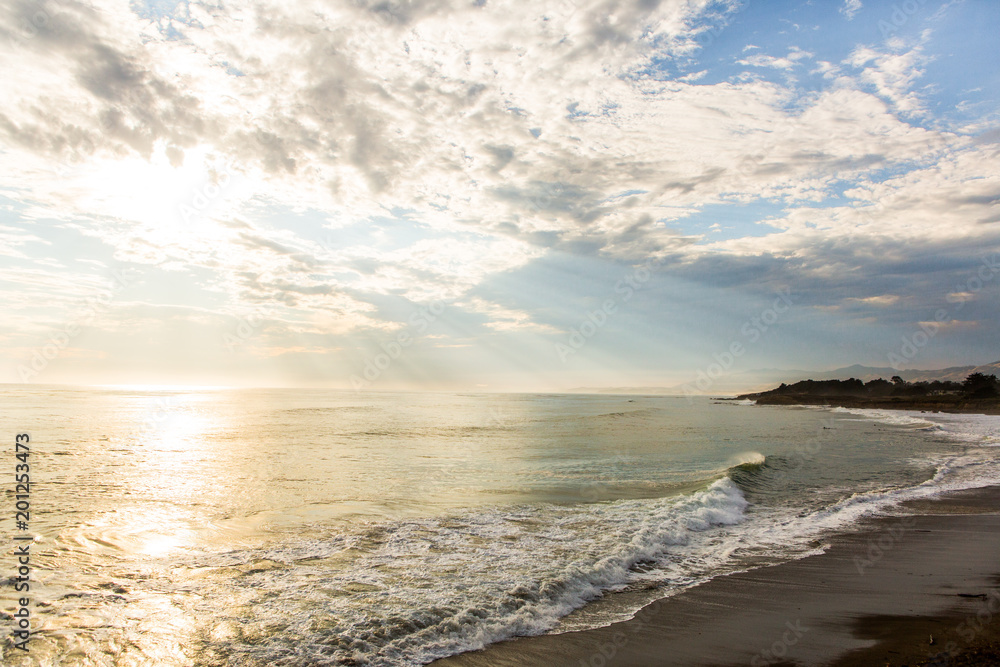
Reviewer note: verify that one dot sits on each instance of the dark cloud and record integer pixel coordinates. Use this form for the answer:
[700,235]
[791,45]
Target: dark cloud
[255,241]
[132,106]
[979,200]
[835,273]
[690,185]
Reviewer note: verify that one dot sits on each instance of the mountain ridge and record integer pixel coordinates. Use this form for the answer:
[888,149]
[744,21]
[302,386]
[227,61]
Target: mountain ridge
[766,378]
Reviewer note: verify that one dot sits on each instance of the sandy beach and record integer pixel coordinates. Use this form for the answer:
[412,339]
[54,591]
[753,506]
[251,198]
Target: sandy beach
[918,589]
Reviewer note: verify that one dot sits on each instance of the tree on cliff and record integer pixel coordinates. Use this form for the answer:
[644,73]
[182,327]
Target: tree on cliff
[980,385]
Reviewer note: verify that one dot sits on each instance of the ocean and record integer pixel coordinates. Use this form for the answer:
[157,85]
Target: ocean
[315,527]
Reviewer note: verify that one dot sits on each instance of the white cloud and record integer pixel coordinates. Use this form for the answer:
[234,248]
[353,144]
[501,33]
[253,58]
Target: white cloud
[795,54]
[850,8]
[940,203]
[761,60]
[506,319]
[694,76]
[892,74]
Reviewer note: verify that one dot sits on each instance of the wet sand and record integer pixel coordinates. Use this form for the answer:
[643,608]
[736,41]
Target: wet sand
[919,589]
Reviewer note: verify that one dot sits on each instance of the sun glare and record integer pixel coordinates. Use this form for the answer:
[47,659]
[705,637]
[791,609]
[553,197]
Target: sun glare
[160,192]
[163,387]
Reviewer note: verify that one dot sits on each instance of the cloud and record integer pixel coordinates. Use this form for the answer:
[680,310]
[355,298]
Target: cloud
[850,8]
[761,60]
[897,249]
[506,319]
[390,111]
[880,300]
[949,325]
[217,147]
[788,62]
[892,74]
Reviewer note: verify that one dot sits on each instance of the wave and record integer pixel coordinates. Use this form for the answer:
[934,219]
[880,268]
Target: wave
[748,460]
[951,473]
[407,592]
[759,475]
[749,471]
[626,413]
[326,409]
[972,428]
[893,417]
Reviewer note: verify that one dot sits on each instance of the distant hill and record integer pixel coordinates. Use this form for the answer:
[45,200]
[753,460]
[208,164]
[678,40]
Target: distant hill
[866,373]
[766,378]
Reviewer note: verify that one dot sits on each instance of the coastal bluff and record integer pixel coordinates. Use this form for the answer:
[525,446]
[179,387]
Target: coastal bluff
[978,393]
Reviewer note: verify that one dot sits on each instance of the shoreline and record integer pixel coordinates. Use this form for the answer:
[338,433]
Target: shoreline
[982,407]
[877,595]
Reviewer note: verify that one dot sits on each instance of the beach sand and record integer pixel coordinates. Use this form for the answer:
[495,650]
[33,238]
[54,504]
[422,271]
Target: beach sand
[879,596]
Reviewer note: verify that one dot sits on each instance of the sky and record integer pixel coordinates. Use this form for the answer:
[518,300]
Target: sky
[495,195]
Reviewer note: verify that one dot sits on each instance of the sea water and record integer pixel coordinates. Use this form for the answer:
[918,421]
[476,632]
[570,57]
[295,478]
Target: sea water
[312,527]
